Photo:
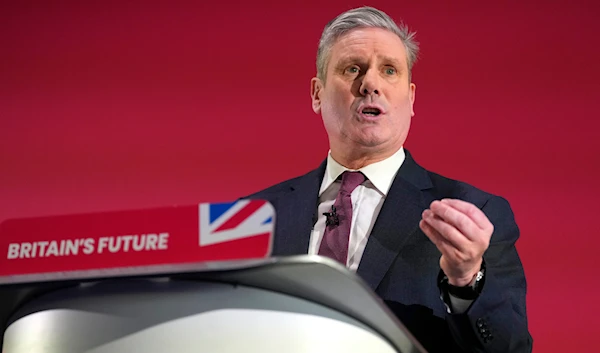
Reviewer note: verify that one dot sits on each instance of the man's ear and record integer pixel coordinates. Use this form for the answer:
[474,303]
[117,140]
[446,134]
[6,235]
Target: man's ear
[413,92]
[316,88]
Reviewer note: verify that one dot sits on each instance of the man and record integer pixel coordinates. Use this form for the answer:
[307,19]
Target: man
[439,252]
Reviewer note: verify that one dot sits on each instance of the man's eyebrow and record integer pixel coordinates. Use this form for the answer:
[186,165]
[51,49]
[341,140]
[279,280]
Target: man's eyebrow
[350,59]
[391,60]
[388,60]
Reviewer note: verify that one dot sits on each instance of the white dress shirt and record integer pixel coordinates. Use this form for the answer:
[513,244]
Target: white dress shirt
[367,200]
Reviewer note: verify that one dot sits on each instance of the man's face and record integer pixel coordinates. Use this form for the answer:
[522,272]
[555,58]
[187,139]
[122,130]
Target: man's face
[366,101]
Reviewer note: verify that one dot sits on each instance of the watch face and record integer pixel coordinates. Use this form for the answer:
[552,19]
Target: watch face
[479,276]
[478,283]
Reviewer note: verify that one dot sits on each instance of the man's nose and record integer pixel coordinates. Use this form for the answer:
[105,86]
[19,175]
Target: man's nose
[370,83]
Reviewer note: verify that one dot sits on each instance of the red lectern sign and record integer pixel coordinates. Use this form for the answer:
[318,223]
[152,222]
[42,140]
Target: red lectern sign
[76,246]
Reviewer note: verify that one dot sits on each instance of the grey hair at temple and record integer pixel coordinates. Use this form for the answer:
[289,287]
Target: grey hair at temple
[363,17]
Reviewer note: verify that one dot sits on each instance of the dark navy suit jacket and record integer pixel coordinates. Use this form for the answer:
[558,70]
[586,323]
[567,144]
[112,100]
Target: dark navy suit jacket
[402,265]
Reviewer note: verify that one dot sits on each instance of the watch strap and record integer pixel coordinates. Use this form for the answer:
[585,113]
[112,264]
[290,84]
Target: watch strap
[468,292]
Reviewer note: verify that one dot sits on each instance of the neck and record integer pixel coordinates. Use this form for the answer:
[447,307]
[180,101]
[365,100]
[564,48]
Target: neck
[353,159]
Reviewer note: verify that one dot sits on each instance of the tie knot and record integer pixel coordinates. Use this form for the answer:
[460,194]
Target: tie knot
[350,180]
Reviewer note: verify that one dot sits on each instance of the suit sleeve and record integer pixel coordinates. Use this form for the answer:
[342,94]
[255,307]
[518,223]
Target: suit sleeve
[497,319]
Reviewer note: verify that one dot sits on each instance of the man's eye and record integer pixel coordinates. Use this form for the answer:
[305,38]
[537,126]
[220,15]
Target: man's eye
[390,71]
[352,70]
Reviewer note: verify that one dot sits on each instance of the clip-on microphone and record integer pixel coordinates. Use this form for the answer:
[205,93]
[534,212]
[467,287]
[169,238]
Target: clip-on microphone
[332,217]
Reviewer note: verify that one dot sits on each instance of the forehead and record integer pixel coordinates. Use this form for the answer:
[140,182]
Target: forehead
[368,43]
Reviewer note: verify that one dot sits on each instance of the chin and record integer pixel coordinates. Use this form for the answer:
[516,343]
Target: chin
[371,138]
[371,142]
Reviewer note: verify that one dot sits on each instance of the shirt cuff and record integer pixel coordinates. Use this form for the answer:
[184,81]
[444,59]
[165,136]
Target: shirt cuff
[458,305]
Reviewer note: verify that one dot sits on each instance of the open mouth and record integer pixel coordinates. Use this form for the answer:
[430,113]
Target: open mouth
[371,111]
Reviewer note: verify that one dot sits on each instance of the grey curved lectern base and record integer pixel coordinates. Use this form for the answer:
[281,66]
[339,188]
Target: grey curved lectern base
[294,304]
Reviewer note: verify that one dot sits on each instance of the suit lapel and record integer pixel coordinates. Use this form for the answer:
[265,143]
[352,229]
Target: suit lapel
[296,214]
[397,222]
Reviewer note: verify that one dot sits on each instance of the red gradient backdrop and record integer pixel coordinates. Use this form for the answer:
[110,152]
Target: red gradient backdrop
[130,104]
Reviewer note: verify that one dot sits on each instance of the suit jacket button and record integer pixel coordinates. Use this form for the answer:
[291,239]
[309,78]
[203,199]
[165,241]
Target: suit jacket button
[480,323]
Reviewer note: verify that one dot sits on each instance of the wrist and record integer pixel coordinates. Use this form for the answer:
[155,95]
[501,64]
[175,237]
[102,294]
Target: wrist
[469,290]
[462,281]
[467,279]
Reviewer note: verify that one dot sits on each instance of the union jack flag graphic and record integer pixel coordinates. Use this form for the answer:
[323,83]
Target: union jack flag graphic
[223,222]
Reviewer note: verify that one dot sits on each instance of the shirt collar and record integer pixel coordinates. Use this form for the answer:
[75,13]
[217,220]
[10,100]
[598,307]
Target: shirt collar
[380,174]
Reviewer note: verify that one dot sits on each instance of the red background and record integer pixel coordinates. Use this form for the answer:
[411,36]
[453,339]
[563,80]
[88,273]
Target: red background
[121,105]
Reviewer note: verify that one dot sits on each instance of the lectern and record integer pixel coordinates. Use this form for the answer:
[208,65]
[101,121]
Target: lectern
[210,287]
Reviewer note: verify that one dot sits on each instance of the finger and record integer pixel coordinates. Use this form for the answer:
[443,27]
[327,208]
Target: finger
[437,239]
[448,232]
[471,211]
[463,223]
[430,232]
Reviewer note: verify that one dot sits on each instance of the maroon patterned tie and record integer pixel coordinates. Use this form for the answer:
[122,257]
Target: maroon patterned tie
[337,234]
